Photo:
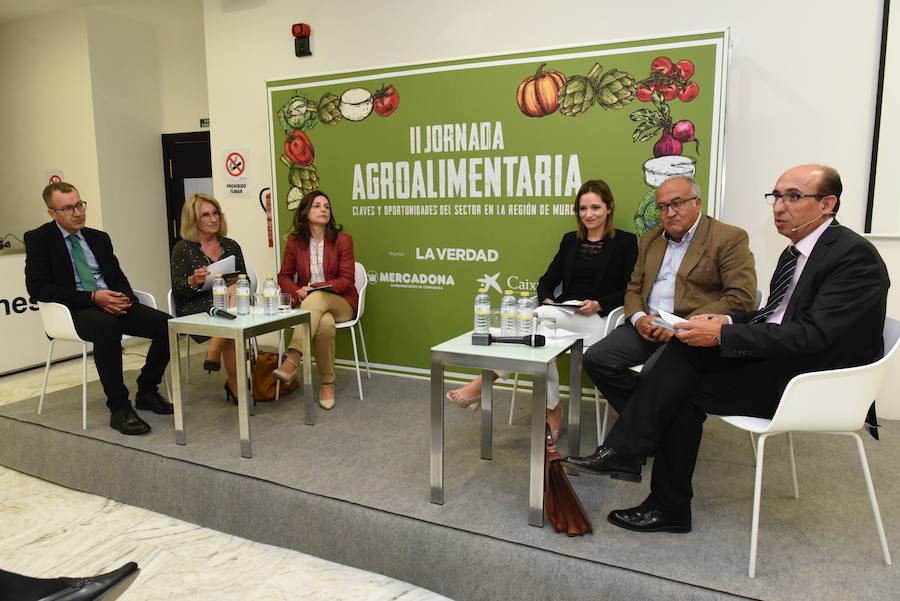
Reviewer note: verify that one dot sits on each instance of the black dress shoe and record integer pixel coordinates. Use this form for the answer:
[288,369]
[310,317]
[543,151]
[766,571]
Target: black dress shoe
[107,586]
[127,421]
[607,461]
[153,401]
[211,366]
[648,518]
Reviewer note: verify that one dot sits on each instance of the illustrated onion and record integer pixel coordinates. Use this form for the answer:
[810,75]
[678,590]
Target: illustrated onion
[667,145]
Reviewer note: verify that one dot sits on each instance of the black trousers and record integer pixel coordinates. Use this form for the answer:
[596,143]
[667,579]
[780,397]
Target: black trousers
[608,361]
[105,331]
[665,415]
[17,587]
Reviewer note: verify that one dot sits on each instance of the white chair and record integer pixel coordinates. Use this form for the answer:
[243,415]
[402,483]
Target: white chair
[58,325]
[611,321]
[830,402]
[362,282]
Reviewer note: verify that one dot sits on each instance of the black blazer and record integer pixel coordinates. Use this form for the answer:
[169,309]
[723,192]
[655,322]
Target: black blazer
[49,275]
[835,317]
[614,268]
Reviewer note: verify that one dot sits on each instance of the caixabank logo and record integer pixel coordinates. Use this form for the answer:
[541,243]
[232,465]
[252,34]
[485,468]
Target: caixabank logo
[515,283]
[407,279]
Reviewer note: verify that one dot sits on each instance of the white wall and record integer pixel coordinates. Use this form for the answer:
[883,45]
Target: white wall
[802,81]
[126,84]
[47,116]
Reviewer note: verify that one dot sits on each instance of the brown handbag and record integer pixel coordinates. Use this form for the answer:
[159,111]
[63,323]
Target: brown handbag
[564,510]
[264,382]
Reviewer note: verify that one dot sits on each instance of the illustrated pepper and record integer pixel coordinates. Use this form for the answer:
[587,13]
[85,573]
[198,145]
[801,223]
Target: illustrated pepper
[298,148]
[615,89]
[577,95]
[329,109]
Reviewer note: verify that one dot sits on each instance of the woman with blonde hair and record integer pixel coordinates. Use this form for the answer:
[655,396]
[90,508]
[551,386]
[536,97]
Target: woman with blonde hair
[204,241]
[319,272]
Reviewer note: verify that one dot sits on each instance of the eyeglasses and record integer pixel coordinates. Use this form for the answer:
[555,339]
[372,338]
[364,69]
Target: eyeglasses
[79,206]
[790,197]
[675,205]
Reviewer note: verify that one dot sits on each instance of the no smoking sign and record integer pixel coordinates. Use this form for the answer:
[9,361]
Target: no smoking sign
[235,163]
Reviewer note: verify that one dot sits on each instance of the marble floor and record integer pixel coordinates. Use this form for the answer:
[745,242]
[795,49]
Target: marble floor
[48,530]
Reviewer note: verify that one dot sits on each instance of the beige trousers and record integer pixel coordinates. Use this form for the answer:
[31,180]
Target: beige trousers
[325,309]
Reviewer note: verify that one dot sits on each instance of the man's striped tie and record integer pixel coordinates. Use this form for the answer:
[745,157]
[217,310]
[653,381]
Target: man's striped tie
[780,283]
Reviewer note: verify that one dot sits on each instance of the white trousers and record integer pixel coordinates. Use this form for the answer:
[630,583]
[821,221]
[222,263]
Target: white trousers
[592,326]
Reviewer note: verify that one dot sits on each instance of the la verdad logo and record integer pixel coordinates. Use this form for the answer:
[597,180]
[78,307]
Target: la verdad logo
[469,255]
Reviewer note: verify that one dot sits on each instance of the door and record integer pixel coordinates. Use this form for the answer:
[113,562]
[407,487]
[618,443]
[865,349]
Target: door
[188,170]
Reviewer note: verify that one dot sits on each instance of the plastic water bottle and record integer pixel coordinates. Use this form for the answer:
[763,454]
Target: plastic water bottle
[509,312]
[243,295]
[526,310]
[482,312]
[270,296]
[219,291]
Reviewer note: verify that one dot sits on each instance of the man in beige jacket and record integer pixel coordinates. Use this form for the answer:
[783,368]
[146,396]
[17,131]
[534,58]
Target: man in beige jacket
[689,265]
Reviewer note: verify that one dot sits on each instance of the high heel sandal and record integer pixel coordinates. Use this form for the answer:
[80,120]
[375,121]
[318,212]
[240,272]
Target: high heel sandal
[287,377]
[457,399]
[229,396]
[554,422]
[326,404]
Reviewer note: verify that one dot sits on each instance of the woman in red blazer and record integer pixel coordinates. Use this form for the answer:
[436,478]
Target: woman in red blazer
[318,271]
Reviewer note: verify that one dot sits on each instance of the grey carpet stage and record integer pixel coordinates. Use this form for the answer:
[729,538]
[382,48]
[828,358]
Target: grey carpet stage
[355,489]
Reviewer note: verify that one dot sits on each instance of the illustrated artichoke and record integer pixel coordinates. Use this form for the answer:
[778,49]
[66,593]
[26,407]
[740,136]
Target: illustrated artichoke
[577,95]
[329,109]
[298,113]
[615,89]
[303,178]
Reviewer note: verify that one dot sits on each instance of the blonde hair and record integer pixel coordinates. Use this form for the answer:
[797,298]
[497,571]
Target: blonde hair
[190,215]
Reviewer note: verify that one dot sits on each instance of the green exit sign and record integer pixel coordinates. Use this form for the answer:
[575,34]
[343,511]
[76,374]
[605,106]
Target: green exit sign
[204,122]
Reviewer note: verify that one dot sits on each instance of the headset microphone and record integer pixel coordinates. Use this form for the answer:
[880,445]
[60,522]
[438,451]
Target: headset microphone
[800,227]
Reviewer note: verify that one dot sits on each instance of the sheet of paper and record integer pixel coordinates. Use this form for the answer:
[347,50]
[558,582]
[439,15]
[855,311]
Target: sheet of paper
[671,317]
[223,266]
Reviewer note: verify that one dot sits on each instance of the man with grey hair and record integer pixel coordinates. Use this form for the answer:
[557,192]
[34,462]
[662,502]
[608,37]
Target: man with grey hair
[690,264]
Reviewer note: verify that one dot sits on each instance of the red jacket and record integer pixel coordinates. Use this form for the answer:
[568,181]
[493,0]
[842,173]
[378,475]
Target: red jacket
[338,263]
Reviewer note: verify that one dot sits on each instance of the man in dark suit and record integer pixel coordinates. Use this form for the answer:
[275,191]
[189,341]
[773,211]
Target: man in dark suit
[689,265]
[825,310]
[68,263]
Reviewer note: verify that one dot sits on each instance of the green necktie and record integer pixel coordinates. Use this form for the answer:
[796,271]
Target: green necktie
[81,265]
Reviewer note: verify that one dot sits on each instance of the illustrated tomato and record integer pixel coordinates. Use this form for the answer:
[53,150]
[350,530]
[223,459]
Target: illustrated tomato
[669,92]
[298,148]
[685,69]
[689,92]
[662,65]
[387,99]
[644,93]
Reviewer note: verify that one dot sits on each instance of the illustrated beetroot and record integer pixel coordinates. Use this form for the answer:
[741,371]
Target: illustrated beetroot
[683,131]
[667,145]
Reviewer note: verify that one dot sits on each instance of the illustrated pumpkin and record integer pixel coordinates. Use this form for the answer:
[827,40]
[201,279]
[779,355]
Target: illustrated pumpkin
[539,95]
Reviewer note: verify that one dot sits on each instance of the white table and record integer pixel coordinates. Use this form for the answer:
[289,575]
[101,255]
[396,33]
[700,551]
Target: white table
[514,358]
[241,330]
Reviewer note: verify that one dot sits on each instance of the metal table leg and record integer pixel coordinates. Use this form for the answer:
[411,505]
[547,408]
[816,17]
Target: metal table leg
[437,431]
[574,432]
[309,401]
[487,422]
[240,345]
[175,365]
[538,420]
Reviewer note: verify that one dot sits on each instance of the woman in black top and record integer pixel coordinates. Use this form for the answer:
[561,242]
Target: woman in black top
[592,266]
[203,231]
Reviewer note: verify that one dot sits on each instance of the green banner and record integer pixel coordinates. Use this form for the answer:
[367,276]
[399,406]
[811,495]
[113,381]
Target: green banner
[454,175]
